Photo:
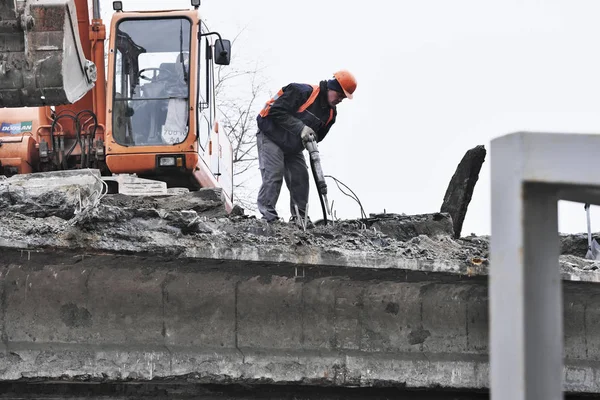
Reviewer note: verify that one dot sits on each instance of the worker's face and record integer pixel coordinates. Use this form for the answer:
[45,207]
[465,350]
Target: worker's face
[334,98]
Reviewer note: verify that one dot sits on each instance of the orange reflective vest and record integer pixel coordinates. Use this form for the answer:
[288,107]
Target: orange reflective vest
[311,99]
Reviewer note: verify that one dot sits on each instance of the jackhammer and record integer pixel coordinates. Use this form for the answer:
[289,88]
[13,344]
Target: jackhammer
[317,171]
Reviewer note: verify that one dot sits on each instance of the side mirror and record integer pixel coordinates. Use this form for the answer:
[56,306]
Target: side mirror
[222,52]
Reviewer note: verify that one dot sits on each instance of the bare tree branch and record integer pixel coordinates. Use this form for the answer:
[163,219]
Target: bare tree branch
[240,92]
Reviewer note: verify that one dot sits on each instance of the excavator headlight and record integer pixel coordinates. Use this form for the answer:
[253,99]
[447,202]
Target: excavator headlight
[118,5]
[195,3]
[171,160]
[166,162]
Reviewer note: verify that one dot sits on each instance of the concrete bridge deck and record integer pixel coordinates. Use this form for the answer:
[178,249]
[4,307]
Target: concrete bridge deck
[113,318]
[149,291]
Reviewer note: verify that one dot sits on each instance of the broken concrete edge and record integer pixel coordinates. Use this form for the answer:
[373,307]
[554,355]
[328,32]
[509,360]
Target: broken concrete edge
[165,364]
[305,257]
[462,184]
[243,365]
[299,257]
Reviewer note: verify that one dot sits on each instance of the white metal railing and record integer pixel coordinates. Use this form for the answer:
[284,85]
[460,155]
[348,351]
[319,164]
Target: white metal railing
[530,173]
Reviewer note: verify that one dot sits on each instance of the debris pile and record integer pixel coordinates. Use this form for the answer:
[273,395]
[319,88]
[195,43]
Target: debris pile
[40,212]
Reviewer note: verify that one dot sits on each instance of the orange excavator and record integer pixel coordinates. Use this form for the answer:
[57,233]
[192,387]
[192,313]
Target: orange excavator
[149,116]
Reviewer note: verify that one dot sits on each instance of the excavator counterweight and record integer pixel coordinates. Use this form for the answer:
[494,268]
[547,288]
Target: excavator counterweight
[41,58]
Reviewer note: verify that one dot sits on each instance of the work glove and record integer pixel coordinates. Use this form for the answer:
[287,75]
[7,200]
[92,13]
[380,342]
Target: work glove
[307,135]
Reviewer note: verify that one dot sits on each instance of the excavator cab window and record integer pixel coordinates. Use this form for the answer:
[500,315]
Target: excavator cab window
[151,83]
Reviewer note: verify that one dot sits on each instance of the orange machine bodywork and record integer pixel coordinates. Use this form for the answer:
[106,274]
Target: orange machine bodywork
[21,150]
[22,154]
[142,160]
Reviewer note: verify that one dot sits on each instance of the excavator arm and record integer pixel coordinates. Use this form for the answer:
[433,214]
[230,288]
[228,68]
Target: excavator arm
[41,57]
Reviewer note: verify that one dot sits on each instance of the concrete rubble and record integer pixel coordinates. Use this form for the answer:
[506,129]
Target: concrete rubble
[113,288]
[67,211]
[460,189]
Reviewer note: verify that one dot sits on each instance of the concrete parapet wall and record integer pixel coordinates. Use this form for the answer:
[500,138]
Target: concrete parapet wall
[215,321]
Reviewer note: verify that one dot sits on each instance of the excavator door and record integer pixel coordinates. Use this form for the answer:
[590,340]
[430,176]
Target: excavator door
[41,58]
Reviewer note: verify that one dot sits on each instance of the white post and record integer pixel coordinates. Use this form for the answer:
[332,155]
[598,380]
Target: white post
[526,339]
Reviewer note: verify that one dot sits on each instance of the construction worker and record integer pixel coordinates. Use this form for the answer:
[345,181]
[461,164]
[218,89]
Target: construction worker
[297,114]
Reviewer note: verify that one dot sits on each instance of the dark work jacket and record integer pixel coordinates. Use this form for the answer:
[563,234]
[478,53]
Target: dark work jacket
[283,123]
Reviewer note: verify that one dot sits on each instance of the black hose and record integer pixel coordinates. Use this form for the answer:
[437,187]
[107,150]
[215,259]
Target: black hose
[77,140]
[62,114]
[353,196]
[86,153]
[314,173]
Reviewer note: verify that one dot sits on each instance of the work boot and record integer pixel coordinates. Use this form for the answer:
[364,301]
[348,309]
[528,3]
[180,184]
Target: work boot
[309,224]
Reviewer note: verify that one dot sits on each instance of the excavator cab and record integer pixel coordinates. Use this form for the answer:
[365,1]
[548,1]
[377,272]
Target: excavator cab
[161,120]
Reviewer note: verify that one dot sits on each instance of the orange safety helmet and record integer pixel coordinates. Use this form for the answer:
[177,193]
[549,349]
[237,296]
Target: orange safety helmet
[347,81]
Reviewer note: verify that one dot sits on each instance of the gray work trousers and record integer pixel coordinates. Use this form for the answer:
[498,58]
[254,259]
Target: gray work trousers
[275,166]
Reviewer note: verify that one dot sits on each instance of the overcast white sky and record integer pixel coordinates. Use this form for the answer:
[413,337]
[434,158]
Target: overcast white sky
[435,78]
